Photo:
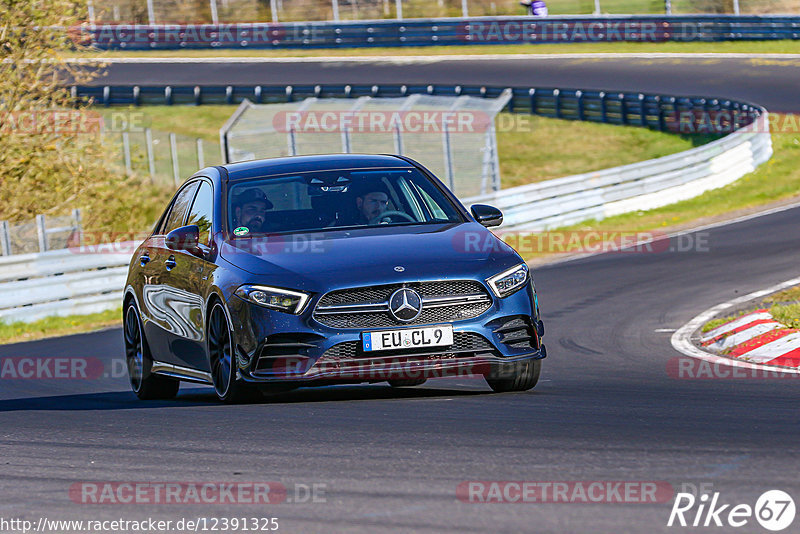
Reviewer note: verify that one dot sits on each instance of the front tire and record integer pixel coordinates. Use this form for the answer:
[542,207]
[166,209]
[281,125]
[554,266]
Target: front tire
[222,360]
[145,384]
[525,377]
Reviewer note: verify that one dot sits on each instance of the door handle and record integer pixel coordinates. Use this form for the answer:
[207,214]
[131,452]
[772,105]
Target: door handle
[170,263]
[144,259]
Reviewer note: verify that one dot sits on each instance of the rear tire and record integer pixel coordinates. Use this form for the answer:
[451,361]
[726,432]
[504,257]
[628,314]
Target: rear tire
[222,361]
[145,384]
[407,382]
[525,377]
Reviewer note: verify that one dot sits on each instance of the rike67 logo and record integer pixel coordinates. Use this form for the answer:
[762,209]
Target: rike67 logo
[774,510]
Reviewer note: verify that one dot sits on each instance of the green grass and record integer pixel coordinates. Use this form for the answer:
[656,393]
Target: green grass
[58,326]
[788,314]
[747,47]
[564,149]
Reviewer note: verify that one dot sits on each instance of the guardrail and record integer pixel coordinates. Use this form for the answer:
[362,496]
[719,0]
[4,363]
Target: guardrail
[67,282]
[680,114]
[640,186]
[71,281]
[443,32]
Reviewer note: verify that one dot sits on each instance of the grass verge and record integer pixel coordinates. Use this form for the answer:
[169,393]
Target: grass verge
[693,47]
[16,332]
[784,307]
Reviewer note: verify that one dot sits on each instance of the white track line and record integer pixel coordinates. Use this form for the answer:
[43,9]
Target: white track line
[429,59]
[682,338]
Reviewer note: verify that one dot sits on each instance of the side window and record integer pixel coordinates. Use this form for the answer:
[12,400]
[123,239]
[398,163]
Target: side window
[201,212]
[179,208]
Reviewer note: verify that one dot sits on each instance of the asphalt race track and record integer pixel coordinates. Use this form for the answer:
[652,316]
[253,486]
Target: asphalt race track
[773,83]
[606,409]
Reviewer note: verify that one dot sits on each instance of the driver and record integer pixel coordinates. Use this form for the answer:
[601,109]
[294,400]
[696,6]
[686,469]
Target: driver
[250,209]
[372,202]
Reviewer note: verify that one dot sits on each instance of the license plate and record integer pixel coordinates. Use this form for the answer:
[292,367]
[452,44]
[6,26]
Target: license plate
[408,338]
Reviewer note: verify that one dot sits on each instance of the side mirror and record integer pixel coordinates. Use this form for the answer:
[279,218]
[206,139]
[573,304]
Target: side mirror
[488,216]
[184,238]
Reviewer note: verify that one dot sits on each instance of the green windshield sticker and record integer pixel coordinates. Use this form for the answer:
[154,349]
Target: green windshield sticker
[242,230]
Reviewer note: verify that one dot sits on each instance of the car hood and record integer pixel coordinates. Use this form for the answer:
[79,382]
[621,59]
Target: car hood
[369,256]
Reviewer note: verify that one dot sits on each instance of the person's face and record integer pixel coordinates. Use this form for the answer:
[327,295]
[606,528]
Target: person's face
[251,214]
[372,205]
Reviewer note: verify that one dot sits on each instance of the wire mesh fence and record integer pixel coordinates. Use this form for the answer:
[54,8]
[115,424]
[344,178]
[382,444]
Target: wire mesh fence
[454,136]
[167,158]
[230,11]
[43,233]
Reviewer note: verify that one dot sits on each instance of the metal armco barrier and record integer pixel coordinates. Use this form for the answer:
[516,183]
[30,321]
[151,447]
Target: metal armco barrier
[444,31]
[64,282]
[640,186]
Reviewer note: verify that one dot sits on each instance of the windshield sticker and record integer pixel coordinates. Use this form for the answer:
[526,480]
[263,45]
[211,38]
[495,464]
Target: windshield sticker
[241,230]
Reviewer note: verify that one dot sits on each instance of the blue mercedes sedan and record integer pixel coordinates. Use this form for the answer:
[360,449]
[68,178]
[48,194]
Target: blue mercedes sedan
[269,275]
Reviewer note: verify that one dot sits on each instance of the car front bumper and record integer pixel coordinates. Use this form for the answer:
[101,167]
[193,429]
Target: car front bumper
[276,347]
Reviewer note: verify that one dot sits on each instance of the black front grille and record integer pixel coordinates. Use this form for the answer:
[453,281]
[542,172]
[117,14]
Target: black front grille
[465,344]
[381,294]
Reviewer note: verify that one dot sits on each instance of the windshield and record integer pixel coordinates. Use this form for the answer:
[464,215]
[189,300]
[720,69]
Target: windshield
[316,201]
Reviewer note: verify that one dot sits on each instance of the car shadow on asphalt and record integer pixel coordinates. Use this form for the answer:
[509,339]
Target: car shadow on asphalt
[125,400]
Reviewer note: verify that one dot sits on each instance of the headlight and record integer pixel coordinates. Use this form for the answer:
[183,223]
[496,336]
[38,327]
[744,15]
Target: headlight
[508,282]
[274,298]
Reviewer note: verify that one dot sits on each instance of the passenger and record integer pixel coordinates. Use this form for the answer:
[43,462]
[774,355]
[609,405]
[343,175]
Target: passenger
[250,210]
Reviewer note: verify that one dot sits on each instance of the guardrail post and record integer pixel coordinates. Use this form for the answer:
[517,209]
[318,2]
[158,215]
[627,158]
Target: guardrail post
[168,95]
[532,93]
[464,8]
[581,113]
[448,157]
[151,13]
[126,152]
[289,93]
[643,111]
[557,102]
[201,160]
[76,216]
[662,120]
[5,239]
[214,14]
[137,94]
[292,142]
[273,7]
[173,148]
[398,139]
[346,140]
[623,109]
[603,107]
[151,158]
[41,232]
[198,95]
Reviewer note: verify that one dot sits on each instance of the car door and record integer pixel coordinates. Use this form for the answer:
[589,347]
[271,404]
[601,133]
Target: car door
[162,303]
[188,279]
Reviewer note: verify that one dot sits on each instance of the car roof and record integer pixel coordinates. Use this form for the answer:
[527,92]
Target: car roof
[325,162]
